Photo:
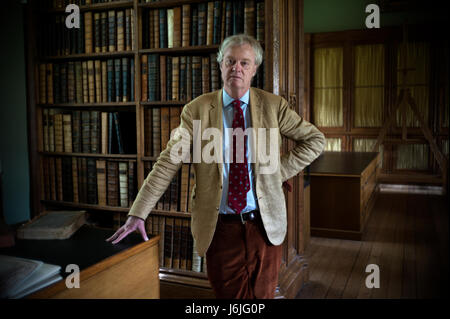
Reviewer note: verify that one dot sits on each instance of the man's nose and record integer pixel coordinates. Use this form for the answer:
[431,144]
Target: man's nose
[237,67]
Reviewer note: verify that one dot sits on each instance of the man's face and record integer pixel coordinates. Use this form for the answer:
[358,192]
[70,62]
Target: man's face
[238,67]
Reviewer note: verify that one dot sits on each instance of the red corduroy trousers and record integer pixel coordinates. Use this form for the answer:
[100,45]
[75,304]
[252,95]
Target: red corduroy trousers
[241,262]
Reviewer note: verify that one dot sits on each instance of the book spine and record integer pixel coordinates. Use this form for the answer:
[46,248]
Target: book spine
[144,77]
[110,71]
[131,182]
[113,183]
[125,82]
[170,28]
[210,23]
[75,180]
[217,22]
[97,32]
[123,184]
[98,80]
[91,181]
[71,82]
[168,241]
[88,31]
[95,131]
[118,79]
[162,28]
[156,124]
[111,31]
[120,31]
[59,142]
[91,83]
[177,27]
[118,132]
[85,132]
[78,82]
[67,129]
[175,78]
[76,143]
[186,25]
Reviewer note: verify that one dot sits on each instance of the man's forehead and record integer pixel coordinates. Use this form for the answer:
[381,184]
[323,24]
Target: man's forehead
[243,49]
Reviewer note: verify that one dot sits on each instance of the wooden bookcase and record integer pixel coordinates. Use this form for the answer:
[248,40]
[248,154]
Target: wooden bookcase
[56,170]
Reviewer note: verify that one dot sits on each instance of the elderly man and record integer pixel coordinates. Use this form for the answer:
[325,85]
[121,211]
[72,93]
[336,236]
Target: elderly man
[238,208]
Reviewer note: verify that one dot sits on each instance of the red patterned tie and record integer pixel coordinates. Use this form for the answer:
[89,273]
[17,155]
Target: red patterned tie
[238,184]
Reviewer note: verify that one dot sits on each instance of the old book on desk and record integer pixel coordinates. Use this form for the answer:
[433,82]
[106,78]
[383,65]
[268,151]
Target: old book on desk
[53,225]
[21,276]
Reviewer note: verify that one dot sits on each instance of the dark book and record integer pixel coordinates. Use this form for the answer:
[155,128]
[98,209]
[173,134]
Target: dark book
[176,243]
[91,82]
[84,68]
[186,25]
[125,80]
[82,179]
[217,22]
[156,133]
[249,17]
[71,82]
[174,193]
[55,94]
[111,31]
[76,129]
[110,132]
[91,181]
[87,31]
[132,92]
[162,77]
[260,20]
[175,77]
[196,76]
[67,183]
[97,32]
[169,78]
[156,25]
[85,132]
[117,126]
[104,31]
[131,182]
[118,79]
[228,18]
[113,183]
[177,20]
[168,241]
[78,82]
[95,131]
[153,77]
[120,31]
[128,30]
[98,80]
[182,94]
[101,182]
[162,28]
[110,72]
[201,22]
[59,178]
[63,84]
[194,26]
[206,86]
[144,77]
[215,73]
[238,17]
[52,175]
[145,29]
[75,180]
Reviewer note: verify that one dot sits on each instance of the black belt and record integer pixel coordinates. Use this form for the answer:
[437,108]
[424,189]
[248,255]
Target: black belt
[243,217]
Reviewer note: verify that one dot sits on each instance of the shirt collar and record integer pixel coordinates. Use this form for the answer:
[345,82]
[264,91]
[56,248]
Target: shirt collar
[227,100]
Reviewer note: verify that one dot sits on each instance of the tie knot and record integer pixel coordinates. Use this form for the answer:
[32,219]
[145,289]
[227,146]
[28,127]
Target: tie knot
[237,103]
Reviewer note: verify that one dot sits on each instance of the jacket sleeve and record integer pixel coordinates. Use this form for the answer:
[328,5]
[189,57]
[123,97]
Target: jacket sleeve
[164,169]
[309,141]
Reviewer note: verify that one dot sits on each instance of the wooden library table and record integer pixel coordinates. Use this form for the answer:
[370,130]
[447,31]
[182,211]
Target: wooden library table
[129,269]
[343,191]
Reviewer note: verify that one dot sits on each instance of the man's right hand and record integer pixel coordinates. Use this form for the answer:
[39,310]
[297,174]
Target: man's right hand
[130,226]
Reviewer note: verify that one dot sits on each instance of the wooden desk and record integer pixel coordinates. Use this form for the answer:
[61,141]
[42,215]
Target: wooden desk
[129,269]
[343,189]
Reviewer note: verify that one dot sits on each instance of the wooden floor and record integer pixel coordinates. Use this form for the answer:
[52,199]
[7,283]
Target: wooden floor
[407,236]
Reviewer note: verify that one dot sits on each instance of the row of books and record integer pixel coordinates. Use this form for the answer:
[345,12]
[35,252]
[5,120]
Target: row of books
[177,197]
[89,131]
[89,180]
[182,78]
[91,81]
[158,124]
[177,246]
[205,23]
[105,31]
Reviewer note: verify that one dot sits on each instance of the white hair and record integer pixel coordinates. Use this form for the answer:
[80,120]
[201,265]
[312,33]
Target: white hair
[238,40]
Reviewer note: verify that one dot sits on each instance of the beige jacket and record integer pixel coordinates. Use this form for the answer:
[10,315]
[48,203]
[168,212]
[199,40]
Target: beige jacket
[267,111]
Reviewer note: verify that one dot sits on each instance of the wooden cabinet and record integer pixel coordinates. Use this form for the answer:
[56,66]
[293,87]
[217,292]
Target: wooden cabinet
[343,190]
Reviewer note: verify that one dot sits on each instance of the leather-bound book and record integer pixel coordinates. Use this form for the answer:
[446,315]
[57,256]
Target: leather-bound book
[101,182]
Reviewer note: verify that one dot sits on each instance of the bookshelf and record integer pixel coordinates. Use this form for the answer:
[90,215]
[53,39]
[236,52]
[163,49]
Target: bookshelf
[104,98]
